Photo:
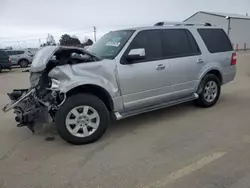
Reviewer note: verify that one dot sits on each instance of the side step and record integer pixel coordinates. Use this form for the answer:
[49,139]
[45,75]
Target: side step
[126,114]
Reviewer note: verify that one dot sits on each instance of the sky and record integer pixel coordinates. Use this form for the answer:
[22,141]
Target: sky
[27,21]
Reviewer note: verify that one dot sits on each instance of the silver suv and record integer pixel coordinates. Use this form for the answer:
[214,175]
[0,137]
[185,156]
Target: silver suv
[20,57]
[127,72]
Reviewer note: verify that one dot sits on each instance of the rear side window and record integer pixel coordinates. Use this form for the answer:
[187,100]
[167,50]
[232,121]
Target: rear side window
[179,43]
[3,54]
[15,52]
[150,40]
[216,40]
[20,52]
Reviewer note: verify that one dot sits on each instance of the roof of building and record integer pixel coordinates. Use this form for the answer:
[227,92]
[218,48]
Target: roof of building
[236,16]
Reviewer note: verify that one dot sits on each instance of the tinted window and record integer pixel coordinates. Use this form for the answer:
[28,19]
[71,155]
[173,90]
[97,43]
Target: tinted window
[20,52]
[15,52]
[216,40]
[179,43]
[3,54]
[10,52]
[150,40]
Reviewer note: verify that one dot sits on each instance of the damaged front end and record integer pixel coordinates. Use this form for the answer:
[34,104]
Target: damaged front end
[41,101]
[34,105]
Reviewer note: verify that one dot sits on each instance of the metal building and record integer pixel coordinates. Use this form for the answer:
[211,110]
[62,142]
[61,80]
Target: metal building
[235,25]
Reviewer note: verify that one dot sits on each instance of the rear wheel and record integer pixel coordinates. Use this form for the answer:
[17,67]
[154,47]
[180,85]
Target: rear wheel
[210,91]
[82,119]
[1,68]
[23,63]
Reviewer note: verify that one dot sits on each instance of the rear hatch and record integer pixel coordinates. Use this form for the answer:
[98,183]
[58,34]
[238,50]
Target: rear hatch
[4,58]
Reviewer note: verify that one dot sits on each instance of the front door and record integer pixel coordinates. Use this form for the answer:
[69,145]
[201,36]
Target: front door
[145,82]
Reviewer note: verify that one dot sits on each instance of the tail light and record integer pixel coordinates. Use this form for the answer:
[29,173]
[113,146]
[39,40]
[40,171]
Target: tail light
[234,59]
[9,59]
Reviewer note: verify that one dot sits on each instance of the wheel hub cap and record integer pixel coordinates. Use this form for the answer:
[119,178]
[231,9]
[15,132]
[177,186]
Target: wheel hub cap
[210,91]
[82,121]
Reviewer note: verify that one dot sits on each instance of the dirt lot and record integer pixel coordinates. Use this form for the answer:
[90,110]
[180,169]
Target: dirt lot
[182,146]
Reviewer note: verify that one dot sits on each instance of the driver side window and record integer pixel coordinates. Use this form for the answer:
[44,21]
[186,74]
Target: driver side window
[150,40]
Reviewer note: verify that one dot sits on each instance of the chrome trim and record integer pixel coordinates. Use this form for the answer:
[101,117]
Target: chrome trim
[118,116]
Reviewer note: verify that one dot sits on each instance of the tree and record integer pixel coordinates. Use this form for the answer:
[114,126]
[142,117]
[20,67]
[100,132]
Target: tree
[67,40]
[50,41]
[89,42]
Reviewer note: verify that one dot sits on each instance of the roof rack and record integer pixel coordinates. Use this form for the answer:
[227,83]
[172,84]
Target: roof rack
[181,24]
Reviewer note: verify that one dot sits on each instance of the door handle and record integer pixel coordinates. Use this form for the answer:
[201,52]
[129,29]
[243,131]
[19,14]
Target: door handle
[200,61]
[160,67]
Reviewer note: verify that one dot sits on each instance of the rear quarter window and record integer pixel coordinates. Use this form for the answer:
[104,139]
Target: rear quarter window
[216,40]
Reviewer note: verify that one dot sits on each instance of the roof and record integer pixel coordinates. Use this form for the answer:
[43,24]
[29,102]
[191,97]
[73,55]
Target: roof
[236,16]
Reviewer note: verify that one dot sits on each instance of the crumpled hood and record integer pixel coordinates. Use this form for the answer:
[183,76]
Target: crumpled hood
[45,54]
[42,57]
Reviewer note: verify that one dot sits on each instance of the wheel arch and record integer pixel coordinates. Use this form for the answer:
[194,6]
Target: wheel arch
[216,71]
[213,71]
[22,59]
[95,90]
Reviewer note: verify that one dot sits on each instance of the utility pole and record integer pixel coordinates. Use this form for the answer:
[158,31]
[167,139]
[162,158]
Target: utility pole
[95,33]
[229,25]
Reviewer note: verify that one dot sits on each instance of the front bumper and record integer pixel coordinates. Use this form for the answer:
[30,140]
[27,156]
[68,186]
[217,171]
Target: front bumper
[16,97]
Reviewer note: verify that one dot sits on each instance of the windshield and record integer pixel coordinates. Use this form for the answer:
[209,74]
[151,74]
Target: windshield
[110,44]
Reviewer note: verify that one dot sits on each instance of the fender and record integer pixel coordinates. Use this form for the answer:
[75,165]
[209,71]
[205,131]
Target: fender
[208,68]
[101,74]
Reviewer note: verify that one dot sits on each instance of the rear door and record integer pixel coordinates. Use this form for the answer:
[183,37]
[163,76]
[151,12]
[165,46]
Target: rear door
[186,62]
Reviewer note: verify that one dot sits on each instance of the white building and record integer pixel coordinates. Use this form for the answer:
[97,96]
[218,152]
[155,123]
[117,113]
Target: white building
[235,25]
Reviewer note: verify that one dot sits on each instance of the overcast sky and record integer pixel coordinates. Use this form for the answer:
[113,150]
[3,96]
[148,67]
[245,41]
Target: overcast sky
[32,19]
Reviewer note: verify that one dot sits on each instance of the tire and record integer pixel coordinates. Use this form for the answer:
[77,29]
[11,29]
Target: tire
[67,111]
[209,81]
[24,63]
[1,68]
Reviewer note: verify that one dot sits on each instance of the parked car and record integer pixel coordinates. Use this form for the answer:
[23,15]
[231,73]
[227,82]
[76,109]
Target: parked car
[127,72]
[20,57]
[5,61]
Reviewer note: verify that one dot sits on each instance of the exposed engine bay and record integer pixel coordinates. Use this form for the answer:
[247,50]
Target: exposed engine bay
[42,99]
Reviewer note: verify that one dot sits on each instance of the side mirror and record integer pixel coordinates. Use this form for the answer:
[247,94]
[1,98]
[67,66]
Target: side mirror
[136,55]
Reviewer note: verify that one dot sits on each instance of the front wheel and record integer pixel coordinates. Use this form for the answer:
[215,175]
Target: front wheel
[82,119]
[210,91]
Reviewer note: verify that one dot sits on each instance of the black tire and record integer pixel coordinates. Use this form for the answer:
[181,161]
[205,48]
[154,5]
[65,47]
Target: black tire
[23,63]
[201,101]
[79,100]
[1,68]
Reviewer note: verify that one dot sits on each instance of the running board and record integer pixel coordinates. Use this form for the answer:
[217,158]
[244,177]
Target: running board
[125,114]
